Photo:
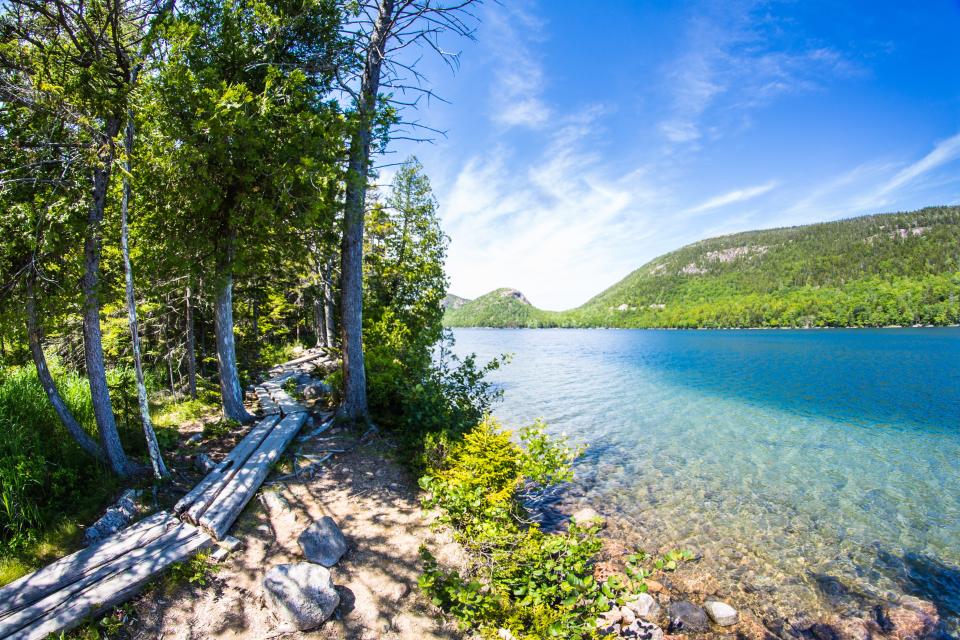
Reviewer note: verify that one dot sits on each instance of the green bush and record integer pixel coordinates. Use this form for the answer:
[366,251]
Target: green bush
[44,476]
[535,584]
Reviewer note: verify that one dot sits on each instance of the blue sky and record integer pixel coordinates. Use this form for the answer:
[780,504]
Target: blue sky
[586,138]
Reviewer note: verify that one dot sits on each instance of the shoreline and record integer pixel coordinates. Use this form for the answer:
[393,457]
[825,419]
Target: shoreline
[891,326]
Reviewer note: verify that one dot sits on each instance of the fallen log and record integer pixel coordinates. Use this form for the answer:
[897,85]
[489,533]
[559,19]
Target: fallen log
[221,514]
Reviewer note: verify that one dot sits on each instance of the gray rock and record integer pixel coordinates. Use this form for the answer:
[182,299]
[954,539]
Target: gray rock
[686,617]
[721,613]
[301,594]
[316,390]
[195,438]
[322,542]
[115,518]
[587,515]
[644,606]
[204,463]
[642,630]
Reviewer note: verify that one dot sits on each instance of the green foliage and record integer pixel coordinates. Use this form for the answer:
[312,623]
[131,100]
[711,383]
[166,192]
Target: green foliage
[196,571]
[672,559]
[499,308]
[890,269]
[46,480]
[536,584]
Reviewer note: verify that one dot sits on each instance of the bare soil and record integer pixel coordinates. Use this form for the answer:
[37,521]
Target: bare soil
[374,501]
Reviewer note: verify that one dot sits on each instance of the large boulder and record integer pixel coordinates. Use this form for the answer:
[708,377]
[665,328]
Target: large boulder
[322,542]
[686,617]
[301,594]
[315,390]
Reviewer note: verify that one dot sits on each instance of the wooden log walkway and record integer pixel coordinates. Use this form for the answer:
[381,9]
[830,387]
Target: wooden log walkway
[61,595]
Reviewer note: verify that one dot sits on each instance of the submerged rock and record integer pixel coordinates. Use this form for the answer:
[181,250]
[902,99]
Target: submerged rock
[642,630]
[301,594]
[687,617]
[323,542]
[587,515]
[721,613]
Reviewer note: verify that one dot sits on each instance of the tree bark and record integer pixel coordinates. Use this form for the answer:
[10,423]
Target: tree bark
[231,394]
[35,337]
[153,447]
[351,270]
[328,315]
[191,348]
[92,339]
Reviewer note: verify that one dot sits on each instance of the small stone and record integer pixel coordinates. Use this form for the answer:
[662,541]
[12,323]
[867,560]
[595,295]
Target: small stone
[195,438]
[219,554]
[586,516]
[230,543]
[301,594]
[204,463]
[721,613]
[627,616]
[687,617]
[315,390]
[505,634]
[644,606]
[323,542]
[653,586]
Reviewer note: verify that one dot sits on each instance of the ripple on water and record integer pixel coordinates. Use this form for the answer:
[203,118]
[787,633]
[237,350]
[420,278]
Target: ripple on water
[815,471]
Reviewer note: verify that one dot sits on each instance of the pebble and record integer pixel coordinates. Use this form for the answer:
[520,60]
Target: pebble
[721,613]
[687,617]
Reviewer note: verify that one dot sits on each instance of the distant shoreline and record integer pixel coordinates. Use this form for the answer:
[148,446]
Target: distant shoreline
[925,326]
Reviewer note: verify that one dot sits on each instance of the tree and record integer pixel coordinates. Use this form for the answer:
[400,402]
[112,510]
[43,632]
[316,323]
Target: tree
[381,31]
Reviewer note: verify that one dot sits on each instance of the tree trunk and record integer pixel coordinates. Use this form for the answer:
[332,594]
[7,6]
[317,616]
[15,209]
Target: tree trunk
[34,337]
[92,340]
[191,351]
[328,315]
[153,447]
[319,321]
[231,394]
[351,254]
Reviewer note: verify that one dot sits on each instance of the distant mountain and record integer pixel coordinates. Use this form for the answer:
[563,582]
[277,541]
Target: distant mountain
[886,269]
[499,308]
[452,301]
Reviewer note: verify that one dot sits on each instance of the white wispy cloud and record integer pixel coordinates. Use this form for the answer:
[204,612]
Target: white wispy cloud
[730,197]
[737,61]
[945,151]
[518,78]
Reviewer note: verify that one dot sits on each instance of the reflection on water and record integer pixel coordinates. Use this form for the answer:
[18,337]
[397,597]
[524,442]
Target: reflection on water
[814,470]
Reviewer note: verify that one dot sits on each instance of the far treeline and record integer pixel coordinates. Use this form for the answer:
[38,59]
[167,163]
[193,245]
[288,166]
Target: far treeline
[889,269]
[187,189]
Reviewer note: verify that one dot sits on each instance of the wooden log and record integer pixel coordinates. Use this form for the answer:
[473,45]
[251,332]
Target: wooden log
[31,588]
[192,505]
[24,618]
[266,402]
[230,502]
[116,588]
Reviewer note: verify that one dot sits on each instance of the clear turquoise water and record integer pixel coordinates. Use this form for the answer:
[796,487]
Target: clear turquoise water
[816,471]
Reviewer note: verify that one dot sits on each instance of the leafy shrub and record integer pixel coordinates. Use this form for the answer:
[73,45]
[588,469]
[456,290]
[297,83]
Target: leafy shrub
[536,584]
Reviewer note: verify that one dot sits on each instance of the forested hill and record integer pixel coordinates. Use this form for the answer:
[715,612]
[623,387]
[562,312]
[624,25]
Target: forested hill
[886,269]
[499,308]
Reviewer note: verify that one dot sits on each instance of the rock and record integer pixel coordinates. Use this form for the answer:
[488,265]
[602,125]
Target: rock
[642,630]
[322,542]
[316,390]
[301,594]
[695,582]
[114,518]
[687,617]
[644,606]
[204,463]
[653,586]
[721,613]
[230,543]
[588,515]
[911,619]
[219,554]
[627,616]
[195,438]
[609,623]
[505,634]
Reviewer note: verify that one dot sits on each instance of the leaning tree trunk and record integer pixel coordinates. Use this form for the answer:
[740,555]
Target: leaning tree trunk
[34,337]
[92,339]
[351,270]
[191,348]
[153,447]
[230,392]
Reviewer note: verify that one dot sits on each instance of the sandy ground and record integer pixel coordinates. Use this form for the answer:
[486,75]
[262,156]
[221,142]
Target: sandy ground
[376,505]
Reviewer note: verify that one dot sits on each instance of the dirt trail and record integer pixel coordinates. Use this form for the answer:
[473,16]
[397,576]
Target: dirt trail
[375,503]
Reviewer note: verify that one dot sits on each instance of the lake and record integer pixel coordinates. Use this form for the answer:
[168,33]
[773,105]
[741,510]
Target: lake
[816,471]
